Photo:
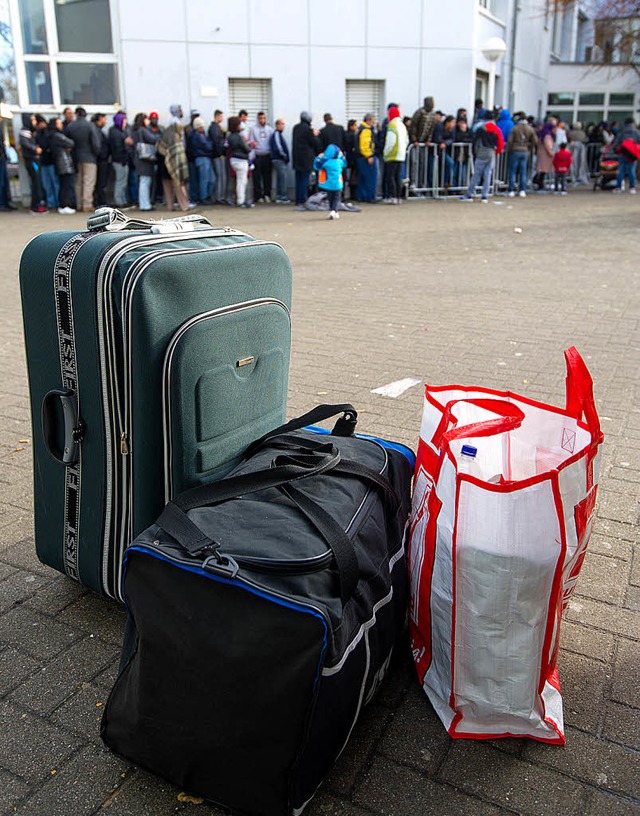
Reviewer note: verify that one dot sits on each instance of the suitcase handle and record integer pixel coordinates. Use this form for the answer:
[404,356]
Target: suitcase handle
[110,219]
[73,427]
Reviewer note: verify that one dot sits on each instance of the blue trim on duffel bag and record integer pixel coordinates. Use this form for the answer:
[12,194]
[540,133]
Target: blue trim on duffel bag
[238,583]
[396,446]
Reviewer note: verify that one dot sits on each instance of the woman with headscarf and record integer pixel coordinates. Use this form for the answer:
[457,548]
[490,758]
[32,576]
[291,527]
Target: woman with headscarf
[239,159]
[120,142]
[144,140]
[174,170]
[544,154]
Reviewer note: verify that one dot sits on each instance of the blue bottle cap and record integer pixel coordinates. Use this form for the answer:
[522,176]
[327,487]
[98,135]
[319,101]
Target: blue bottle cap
[468,450]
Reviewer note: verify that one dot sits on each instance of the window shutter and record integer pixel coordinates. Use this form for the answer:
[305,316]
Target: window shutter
[252,95]
[364,96]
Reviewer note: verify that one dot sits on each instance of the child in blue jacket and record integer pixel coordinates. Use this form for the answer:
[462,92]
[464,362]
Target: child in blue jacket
[330,166]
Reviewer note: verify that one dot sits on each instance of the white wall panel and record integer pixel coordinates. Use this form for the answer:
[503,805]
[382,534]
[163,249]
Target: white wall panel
[216,22]
[151,83]
[330,67]
[337,22]
[394,27]
[283,22]
[149,21]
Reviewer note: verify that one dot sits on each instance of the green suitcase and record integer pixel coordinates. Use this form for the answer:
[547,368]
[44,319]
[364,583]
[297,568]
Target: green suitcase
[156,352]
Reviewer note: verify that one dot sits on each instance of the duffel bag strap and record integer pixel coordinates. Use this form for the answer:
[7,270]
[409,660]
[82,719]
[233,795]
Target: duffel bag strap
[174,519]
[339,542]
[345,425]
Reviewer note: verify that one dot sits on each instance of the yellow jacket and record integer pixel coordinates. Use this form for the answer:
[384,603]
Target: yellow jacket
[366,146]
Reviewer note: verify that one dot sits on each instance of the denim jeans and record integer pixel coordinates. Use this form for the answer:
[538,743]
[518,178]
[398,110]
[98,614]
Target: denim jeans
[302,186]
[517,168]
[626,168]
[193,181]
[121,172]
[334,196]
[481,171]
[281,179]
[144,192]
[448,169]
[206,177]
[460,174]
[50,183]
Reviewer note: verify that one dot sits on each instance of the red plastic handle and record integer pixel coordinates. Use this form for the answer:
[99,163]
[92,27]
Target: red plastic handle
[579,385]
[510,416]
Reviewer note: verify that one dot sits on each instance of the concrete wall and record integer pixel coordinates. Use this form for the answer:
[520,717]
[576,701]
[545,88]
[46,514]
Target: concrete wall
[170,50]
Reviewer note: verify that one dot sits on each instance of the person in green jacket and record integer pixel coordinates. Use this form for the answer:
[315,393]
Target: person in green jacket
[394,154]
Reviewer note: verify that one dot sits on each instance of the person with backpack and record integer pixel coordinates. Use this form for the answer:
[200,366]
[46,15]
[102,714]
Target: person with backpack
[488,141]
[330,165]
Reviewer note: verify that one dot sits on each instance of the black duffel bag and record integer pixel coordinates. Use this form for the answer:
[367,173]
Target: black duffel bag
[263,612]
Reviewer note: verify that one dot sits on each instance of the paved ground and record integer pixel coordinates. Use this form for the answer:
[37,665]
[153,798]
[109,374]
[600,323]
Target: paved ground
[444,292]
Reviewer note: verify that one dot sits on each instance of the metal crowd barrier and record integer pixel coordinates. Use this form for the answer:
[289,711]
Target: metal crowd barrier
[434,173]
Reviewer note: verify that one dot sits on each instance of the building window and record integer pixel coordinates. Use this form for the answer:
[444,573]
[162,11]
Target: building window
[621,99]
[252,95]
[84,25]
[482,85]
[591,99]
[87,84]
[364,96]
[34,30]
[561,98]
[65,55]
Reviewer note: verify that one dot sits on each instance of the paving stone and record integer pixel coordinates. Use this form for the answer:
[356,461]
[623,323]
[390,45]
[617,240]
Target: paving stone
[12,791]
[603,578]
[618,507]
[18,587]
[592,760]
[107,678]
[66,674]
[616,529]
[34,633]
[59,593]
[415,735]
[82,712]
[359,749]
[603,616]
[22,554]
[391,789]
[625,688]
[612,547]
[15,666]
[31,747]
[632,599]
[78,787]
[99,616]
[583,683]
[142,794]
[603,804]
[635,567]
[324,804]
[574,637]
[622,724]
[5,570]
[509,782]
[400,676]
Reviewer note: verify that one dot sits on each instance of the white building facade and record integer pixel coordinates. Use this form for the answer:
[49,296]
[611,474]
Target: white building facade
[346,57]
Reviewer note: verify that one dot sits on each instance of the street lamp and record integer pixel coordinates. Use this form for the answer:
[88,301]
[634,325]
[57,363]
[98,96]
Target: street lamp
[494,49]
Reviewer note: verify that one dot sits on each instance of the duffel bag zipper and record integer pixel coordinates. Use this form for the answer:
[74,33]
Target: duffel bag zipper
[229,574]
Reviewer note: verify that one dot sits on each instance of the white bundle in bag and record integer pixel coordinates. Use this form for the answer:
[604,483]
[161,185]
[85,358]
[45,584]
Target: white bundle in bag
[503,501]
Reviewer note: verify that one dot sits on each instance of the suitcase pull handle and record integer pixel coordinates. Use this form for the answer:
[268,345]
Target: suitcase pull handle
[73,427]
[109,219]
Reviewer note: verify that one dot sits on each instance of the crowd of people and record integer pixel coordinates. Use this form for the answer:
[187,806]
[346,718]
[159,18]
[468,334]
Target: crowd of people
[76,163]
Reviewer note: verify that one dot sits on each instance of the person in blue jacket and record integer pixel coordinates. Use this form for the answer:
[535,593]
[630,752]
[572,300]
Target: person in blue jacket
[202,152]
[505,123]
[329,166]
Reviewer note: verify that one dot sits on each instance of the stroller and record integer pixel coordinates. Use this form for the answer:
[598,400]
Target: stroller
[607,169]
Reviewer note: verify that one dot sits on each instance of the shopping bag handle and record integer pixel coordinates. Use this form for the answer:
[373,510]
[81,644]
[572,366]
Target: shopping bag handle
[579,384]
[510,416]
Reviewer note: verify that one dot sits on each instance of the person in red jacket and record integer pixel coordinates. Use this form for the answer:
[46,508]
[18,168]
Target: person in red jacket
[561,164]
[488,142]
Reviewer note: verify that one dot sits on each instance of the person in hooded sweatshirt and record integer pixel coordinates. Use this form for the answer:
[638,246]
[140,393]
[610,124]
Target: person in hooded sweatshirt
[304,147]
[394,153]
[31,153]
[330,166]
[505,123]
[488,142]
[627,154]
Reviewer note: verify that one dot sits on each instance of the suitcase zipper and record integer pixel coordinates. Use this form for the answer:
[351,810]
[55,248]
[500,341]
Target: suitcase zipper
[105,326]
[166,373]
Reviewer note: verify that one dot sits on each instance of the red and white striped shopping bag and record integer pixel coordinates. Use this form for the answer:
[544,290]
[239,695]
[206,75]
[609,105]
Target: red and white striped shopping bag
[503,503]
